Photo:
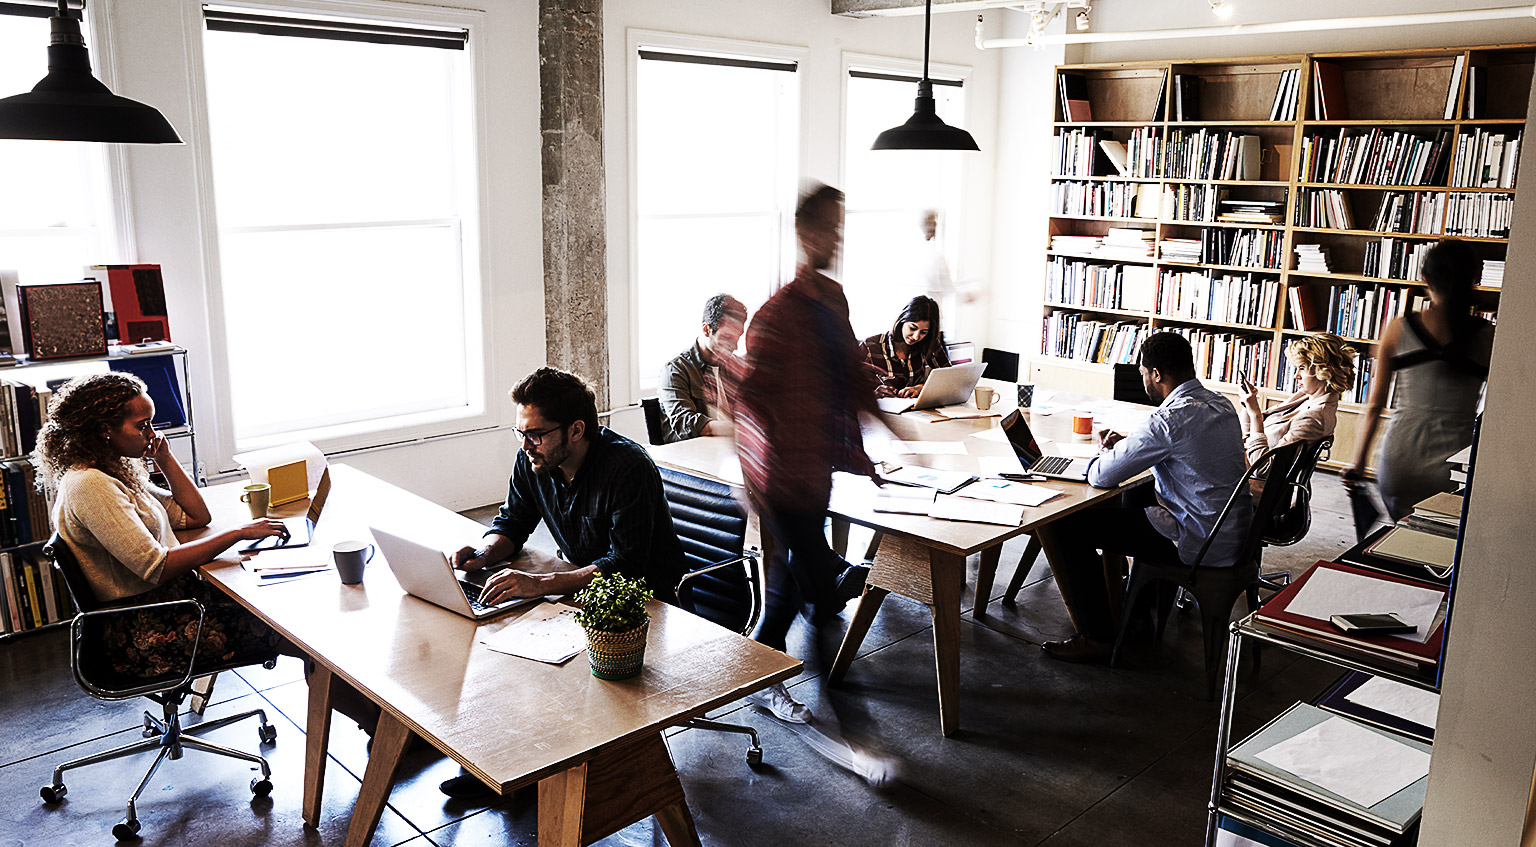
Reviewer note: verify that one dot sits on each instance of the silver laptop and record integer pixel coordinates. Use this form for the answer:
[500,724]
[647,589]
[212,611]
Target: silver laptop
[298,531]
[428,573]
[1016,427]
[949,386]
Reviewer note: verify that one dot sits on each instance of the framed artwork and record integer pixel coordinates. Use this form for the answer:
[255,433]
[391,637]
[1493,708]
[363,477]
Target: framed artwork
[62,320]
[136,302]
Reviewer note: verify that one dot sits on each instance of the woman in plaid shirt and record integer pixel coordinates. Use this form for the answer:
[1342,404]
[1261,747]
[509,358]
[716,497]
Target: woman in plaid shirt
[903,357]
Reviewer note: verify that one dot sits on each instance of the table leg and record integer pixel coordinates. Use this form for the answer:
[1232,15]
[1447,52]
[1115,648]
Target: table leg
[595,799]
[677,825]
[562,805]
[389,742]
[840,529]
[863,616]
[316,740]
[948,580]
[986,572]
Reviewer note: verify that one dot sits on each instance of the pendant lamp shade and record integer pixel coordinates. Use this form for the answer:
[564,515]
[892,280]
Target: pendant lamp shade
[924,130]
[71,105]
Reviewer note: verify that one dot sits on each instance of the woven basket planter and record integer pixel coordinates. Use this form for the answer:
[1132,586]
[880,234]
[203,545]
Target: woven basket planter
[617,655]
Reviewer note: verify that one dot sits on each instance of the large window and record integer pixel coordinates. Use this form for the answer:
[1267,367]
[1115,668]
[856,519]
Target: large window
[715,168]
[55,208]
[344,180]
[885,258]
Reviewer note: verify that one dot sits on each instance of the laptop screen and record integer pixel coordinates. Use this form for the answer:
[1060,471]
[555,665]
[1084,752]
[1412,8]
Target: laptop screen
[1016,427]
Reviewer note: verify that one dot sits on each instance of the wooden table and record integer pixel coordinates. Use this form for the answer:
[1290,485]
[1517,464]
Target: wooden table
[921,557]
[594,747]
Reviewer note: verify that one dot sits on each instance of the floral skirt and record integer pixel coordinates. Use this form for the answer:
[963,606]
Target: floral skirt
[157,642]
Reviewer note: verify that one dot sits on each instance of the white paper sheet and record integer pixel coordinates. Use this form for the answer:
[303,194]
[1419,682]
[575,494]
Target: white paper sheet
[546,633]
[1395,698]
[928,477]
[993,434]
[932,448]
[1349,760]
[902,500]
[1076,450]
[1007,491]
[1330,592]
[996,465]
[956,508]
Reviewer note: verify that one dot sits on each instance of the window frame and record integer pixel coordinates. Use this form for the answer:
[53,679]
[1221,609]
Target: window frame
[624,335]
[483,411]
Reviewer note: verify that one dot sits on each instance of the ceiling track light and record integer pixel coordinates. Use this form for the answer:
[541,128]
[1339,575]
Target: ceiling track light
[925,130]
[1221,8]
[1042,12]
[1082,21]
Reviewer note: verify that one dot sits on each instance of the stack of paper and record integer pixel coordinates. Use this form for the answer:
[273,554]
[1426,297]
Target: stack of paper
[1312,258]
[1493,273]
[1302,611]
[1439,514]
[1379,701]
[1077,245]
[945,482]
[902,500]
[1127,243]
[1180,250]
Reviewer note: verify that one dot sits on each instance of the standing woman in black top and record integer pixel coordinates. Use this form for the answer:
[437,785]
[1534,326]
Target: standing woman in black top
[1439,359]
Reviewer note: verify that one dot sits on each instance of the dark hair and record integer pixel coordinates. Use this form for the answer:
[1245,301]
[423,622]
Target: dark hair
[1168,352]
[920,308]
[813,200]
[562,397]
[79,416]
[720,307]
[1452,268]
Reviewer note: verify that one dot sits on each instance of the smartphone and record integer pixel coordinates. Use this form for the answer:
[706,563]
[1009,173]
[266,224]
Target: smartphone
[1243,380]
[1379,624]
[1022,477]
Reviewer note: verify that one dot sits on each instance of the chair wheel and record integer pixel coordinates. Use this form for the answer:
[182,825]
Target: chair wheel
[754,755]
[267,733]
[261,787]
[126,830]
[52,793]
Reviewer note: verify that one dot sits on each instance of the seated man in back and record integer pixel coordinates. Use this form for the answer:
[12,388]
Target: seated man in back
[690,384]
[1193,444]
[599,494]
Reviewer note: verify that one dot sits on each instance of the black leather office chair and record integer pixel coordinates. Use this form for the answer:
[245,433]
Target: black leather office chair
[1216,589]
[653,428]
[1001,365]
[723,583]
[1128,386]
[89,658]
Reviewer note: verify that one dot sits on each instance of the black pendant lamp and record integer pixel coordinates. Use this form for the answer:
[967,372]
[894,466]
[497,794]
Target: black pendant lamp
[924,130]
[71,105]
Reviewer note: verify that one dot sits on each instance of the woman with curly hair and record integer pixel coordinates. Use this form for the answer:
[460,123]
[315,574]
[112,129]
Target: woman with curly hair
[120,527]
[1325,369]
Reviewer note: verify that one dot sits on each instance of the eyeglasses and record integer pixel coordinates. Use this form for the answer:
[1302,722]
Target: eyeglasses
[535,437]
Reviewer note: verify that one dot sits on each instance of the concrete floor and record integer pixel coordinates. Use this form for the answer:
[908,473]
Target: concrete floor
[1047,753]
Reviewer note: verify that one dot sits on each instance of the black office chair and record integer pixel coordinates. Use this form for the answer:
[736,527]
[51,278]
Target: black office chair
[1216,589]
[653,426]
[1129,387]
[723,584]
[1001,365]
[89,659]
[1293,519]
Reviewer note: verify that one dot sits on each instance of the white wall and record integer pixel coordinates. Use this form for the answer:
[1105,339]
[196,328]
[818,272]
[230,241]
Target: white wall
[805,24]
[154,46]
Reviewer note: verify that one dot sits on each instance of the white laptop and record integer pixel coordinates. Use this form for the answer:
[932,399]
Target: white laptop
[949,386]
[428,573]
[1016,427]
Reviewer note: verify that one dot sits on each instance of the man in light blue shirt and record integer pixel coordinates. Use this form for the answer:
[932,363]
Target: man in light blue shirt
[1193,444]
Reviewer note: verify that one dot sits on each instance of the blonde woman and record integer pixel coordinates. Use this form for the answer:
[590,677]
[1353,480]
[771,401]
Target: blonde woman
[1325,369]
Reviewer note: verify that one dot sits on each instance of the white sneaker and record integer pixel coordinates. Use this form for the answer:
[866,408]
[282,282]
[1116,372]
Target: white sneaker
[875,770]
[775,700]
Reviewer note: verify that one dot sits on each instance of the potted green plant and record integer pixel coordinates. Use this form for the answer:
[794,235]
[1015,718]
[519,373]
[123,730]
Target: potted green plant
[614,616]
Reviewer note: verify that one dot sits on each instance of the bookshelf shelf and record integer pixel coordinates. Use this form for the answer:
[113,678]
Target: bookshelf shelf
[1235,224]
[1254,183]
[1238,327]
[1072,307]
[1238,268]
[1371,233]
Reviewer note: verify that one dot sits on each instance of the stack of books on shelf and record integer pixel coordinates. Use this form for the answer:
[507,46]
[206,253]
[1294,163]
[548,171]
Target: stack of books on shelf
[1223,356]
[1248,248]
[1409,211]
[24,511]
[1312,258]
[1493,273]
[1486,159]
[1325,778]
[1211,154]
[1438,514]
[1068,335]
[33,595]
[1127,243]
[1251,211]
[1077,245]
[1479,215]
[1193,201]
[1096,199]
[1144,153]
[1324,208]
[1229,298]
[1185,250]
[1375,157]
[1098,286]
[1362,311]
[1284,107]
[1394,258]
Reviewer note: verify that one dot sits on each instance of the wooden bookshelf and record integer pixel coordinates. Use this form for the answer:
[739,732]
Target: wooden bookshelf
[1399,95]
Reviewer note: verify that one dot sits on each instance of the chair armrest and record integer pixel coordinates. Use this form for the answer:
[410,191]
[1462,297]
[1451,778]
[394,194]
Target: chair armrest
[750,556]
[77,645]
[753,585]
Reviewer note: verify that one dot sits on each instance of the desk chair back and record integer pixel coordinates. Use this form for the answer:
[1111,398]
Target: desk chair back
[654,430]
[1128,386]
[721,583]
[1293,517]
[1001,365]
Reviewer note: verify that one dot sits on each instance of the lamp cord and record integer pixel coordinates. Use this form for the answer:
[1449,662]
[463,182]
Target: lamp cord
[927,27]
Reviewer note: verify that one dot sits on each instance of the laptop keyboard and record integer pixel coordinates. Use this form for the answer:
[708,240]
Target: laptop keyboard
[1051,464]
[472,594]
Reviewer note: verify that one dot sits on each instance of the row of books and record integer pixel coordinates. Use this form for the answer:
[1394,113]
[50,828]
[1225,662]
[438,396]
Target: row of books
[1211,154]
[1069,335]
[1375,157]
[24,510]
[1097,199]
[1479,215]
[1325,208]
[1224,356]
[1284,107]
[1410,211]
[1230,298]
[1099,286]
[1077,153]
[1394,258]
[1486,159]
[1249,248]
[1362,310]
[34,595]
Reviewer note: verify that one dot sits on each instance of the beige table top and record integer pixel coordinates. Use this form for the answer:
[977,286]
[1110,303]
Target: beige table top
[507,719]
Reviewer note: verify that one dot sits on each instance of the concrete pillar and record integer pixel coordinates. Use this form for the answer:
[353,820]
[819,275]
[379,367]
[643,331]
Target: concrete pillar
[575,245]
